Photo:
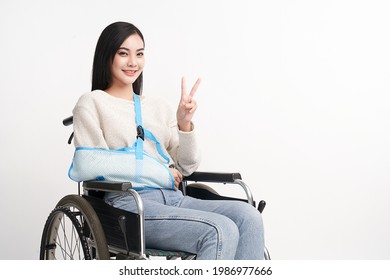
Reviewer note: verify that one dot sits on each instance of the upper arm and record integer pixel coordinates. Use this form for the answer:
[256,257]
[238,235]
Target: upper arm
[87,130]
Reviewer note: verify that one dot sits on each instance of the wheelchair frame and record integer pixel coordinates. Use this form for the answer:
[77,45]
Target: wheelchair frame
[106,232]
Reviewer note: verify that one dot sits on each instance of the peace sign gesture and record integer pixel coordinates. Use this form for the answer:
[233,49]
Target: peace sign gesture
[187,106]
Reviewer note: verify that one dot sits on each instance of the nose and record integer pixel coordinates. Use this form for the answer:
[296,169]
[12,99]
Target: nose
[132,62]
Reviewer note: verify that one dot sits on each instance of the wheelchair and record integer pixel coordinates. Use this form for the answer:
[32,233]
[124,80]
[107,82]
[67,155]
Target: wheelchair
[83,227]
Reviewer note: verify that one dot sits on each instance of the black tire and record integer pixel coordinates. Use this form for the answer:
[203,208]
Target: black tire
[90,224]
[63,237]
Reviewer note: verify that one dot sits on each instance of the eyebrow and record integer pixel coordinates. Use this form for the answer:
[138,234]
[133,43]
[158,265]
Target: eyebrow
[123,48]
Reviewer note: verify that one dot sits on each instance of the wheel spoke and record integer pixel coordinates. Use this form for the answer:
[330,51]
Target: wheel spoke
[72,231]
[64,236]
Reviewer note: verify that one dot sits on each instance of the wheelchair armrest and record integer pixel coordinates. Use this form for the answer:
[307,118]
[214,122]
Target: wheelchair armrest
[225,178]
[213,177]
[107,186]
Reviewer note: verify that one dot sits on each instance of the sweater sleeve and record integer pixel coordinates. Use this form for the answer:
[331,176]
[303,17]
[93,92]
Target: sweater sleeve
[184,150]
[86,126]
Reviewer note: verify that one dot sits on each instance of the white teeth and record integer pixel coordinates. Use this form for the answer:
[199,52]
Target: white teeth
[130,71]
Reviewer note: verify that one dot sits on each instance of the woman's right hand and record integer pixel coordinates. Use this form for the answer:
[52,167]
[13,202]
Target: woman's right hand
[177,176]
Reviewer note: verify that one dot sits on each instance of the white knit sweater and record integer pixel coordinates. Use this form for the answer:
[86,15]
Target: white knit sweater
[103,121]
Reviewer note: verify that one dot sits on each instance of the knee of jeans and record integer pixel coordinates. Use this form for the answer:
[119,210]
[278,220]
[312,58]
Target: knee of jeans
[250,216]
[228,231]
[229,239]
[221,230]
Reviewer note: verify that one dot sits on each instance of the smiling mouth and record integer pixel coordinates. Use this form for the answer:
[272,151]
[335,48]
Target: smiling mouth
[130,72]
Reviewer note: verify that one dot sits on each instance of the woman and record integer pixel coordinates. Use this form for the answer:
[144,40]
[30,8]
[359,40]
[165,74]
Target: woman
[105,118]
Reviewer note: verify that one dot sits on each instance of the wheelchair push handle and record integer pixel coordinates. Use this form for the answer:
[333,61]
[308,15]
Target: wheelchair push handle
[68,121]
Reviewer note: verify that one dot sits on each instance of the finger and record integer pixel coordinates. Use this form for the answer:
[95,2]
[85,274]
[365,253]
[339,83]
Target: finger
[193,109]
[180,176]
[183,87]
[195,87]
[177,183]
[177,176]
[189,107]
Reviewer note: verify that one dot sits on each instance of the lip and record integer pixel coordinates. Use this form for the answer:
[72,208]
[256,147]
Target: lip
[130,72]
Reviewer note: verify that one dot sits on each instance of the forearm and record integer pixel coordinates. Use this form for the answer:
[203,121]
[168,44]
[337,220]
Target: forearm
[188,154]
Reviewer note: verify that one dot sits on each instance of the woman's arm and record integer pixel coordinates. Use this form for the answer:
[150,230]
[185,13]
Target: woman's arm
[184,146]
[86,126]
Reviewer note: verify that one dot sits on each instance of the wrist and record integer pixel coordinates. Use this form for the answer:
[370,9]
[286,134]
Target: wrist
[186,127]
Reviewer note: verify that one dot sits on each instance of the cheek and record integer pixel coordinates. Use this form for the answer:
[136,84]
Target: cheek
[114,66]
[141,63]
[120,62]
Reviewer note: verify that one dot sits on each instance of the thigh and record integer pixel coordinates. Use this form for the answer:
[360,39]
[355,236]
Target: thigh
[238,211]
[174,228]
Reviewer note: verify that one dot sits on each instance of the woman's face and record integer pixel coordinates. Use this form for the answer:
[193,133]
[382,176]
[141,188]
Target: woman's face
[128,62]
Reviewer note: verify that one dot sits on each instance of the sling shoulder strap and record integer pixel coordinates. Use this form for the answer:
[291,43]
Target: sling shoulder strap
[144,133]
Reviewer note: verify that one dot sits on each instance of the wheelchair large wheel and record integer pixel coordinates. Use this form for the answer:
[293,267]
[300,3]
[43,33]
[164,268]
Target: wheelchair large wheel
[63,237]
[89,222]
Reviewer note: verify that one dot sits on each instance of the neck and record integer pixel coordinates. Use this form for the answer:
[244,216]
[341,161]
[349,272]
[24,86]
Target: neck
[125,92]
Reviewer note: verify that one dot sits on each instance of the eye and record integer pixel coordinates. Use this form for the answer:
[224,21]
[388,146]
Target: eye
[122,53]
[140,54]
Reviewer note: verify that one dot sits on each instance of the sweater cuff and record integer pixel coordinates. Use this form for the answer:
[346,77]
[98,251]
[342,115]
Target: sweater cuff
[186,132]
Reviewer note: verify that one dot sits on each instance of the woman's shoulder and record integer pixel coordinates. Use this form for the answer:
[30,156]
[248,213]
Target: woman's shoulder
[90,97]
[91,102]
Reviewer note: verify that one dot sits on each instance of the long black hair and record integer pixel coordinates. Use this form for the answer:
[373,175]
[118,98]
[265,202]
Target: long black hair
[108,44]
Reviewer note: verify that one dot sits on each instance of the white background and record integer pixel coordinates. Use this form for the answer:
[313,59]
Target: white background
[295,97]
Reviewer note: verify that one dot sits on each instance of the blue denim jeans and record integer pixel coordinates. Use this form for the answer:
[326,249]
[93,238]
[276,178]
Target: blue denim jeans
[211,229]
